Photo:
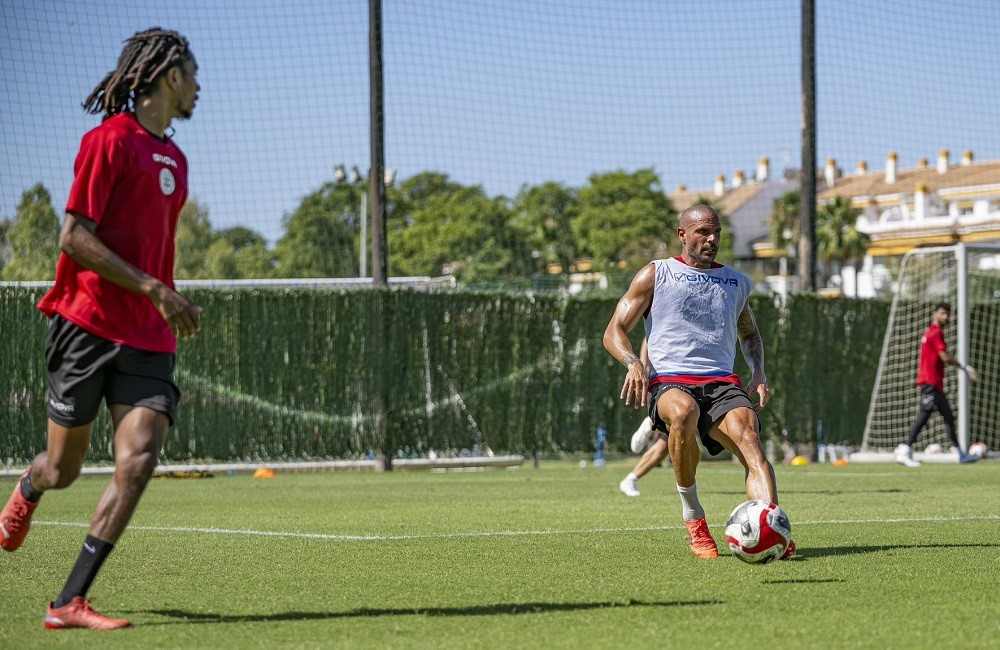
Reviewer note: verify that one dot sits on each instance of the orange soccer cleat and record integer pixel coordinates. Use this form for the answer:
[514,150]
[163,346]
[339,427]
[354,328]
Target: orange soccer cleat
[702,544]
[15,520]
[79,613]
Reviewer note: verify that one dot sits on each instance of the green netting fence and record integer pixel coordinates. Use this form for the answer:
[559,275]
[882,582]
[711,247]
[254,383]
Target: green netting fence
[306,373]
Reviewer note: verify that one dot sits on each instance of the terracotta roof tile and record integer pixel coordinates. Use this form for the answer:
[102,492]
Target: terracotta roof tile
[873,184]
[730,201]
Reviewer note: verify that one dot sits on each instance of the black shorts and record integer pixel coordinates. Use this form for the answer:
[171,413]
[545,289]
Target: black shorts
[932,399]
[83,368]
[714,400]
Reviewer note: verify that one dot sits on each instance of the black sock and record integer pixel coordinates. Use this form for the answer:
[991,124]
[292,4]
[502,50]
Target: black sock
[94,552]
[28,490]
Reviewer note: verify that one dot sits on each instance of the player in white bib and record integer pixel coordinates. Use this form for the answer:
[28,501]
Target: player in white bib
[696,311]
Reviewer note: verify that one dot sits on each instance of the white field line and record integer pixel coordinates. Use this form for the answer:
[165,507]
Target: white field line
[496,533]
[736,469]
[859,475]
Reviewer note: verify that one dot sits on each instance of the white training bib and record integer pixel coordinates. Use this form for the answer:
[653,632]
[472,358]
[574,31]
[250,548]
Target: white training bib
[691,325]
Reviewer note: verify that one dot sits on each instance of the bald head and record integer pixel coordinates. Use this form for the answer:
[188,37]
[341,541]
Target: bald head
[696,213]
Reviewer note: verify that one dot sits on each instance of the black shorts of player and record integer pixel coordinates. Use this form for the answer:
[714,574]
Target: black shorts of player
[714,400]
[932,399]
[83,368]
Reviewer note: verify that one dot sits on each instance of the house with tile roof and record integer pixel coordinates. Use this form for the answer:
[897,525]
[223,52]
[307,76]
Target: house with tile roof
[903,209]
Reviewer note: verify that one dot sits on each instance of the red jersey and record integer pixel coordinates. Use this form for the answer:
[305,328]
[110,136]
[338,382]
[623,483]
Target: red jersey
[931,365]
[133,186]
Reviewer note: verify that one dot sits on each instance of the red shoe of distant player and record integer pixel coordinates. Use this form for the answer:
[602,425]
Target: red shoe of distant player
[79,613]
[702,544]
[15,520]
[789,551]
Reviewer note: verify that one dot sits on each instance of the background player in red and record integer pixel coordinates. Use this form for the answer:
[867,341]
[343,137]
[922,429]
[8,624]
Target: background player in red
[930,380]
[114,310]
[696,311]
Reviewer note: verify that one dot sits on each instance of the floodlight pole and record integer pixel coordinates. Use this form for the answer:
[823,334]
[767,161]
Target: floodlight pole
[807,205]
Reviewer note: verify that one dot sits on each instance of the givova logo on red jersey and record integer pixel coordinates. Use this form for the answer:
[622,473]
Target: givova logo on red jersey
[166,160]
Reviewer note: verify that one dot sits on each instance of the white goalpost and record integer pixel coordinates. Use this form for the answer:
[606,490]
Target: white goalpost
[968,277]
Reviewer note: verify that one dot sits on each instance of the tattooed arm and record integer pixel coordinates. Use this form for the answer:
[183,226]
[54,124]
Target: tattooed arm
[753,351]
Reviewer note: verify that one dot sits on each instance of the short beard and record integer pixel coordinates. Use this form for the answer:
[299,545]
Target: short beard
[701,259]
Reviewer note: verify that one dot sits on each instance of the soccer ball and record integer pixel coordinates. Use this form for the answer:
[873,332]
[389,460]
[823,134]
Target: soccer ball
[933,448]
[979,449]
[758,532]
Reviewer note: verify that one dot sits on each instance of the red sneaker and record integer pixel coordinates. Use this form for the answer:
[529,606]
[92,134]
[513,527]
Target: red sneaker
[79,613]
[702,544]
[15,520]
[790,551]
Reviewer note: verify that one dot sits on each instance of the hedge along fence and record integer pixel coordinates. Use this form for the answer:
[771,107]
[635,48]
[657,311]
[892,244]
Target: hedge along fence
[309,373]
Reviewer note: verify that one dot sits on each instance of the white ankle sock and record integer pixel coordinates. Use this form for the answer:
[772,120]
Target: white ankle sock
[690,505]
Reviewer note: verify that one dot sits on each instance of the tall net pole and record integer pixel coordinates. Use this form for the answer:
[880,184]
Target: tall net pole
[962,259]
[380,263]
[807,224]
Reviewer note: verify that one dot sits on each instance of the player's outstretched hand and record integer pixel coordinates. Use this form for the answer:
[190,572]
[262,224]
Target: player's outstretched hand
[188,321]
[635,386]
[759,385]
[182,315]
[973,375]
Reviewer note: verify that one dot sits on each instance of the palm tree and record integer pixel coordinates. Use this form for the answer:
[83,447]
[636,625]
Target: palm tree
[784,220]
[837,236]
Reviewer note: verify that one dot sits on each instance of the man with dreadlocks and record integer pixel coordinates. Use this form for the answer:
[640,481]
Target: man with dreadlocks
[115,315]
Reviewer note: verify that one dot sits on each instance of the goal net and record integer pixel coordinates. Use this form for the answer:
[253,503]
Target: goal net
[968,277]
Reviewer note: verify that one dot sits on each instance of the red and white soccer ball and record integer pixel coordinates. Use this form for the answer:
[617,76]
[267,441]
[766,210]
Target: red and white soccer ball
[979,450]
[758,532]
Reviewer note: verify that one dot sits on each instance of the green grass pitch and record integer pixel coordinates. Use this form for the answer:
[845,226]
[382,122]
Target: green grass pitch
[552,557]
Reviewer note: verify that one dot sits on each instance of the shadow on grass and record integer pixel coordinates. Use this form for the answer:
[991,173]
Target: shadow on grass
[839,492]
[786,492]
[365,612]
[809,581]
[805,553]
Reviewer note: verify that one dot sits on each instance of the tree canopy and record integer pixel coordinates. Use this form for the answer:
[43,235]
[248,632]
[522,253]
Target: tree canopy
[447,229]
[543,215]
[618,221]
[320,239]
[31,238]
[625,220]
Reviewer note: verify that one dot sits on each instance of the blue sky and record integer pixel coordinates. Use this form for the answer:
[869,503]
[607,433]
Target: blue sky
[505,93]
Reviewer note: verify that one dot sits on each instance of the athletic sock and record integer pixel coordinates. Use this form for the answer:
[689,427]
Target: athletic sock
[28,490]
[690,505]
[92,556]
[631,477]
